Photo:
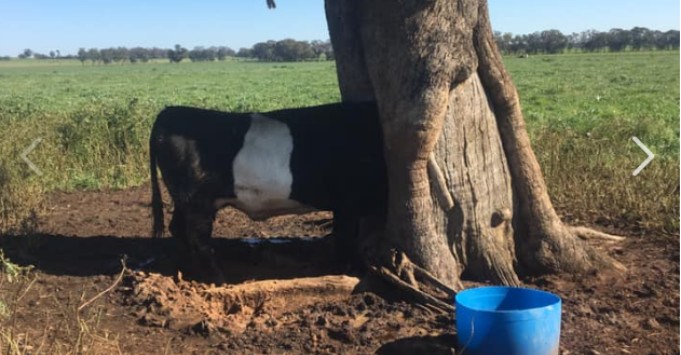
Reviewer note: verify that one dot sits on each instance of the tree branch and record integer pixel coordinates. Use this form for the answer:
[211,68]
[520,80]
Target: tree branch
[108,289]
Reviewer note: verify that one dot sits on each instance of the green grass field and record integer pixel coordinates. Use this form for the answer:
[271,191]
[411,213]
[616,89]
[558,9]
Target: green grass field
[582,111]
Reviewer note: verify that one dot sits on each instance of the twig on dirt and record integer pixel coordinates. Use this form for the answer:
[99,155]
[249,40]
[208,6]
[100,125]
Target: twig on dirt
[108,289]
[30,284]
[585,233]
[39,350]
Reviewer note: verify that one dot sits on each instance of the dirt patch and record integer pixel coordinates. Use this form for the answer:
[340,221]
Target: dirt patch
[127,213]
[197,307]
[285,296]
[313,314]
[634,313]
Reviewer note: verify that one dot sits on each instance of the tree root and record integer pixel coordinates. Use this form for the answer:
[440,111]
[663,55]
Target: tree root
[564,249]
[585,233]
[416,283]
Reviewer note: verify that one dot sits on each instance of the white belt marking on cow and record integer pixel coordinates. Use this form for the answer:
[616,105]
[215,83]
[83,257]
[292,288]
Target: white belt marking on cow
[262,170]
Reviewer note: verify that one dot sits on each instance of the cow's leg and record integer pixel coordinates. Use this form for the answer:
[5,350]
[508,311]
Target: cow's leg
[345,232]
[178,226]
[185,251]
[199,227]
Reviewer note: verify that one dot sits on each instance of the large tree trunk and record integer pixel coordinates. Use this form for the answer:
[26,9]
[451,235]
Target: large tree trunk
[453,132]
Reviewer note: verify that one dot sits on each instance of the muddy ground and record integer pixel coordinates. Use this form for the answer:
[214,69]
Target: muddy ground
[285,296]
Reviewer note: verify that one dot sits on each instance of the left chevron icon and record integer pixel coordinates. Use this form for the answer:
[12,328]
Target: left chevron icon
[24,156]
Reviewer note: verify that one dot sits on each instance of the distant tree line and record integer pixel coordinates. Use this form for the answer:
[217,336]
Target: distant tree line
[287,50]
[290,50]
[615,40]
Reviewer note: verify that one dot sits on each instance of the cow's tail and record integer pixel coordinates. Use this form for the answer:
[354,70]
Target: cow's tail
[156,199]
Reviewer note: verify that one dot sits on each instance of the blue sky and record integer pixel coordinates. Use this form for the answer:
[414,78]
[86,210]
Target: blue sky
[69,24]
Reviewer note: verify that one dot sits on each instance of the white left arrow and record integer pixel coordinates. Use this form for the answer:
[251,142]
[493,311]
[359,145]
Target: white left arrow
[24,157]
[648,159]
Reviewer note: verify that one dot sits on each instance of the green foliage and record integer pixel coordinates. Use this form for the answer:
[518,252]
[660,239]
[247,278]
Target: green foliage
[11,271]
[581,112]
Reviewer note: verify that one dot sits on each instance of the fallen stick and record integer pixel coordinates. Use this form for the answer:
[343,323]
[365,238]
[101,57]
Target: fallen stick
[108,289]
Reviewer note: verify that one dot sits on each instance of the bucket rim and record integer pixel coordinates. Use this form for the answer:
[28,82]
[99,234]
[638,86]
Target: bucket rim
[460,299]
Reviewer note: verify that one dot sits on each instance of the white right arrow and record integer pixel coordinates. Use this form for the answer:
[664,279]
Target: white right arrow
[648,159]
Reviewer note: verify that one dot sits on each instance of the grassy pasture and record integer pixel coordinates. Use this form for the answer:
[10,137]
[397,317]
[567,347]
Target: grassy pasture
[581,110]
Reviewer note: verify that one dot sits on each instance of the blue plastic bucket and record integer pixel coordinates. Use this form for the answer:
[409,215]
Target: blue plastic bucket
[507,320]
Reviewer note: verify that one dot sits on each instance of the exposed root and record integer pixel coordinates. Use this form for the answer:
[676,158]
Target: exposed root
[403,263]
[417,283]
[585,233]
[427,300]
[568,251]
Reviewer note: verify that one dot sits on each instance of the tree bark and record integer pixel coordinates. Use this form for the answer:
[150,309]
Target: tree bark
[466,194]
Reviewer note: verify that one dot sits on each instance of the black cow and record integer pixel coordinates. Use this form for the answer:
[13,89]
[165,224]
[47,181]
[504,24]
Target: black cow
[327,157]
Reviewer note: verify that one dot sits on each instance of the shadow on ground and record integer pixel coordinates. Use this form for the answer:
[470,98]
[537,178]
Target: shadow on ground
[435,345]
[240,259]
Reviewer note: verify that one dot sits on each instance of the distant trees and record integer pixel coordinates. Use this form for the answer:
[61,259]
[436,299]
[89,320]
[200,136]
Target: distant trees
[119,55]
[224,52]
[93,55]
[82,55]
[27,53]
[106,55]
[201,54]
[615,40]
[290,50]
[139,54]
[244,53]
[322,49]
[177,54]
[53,54]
